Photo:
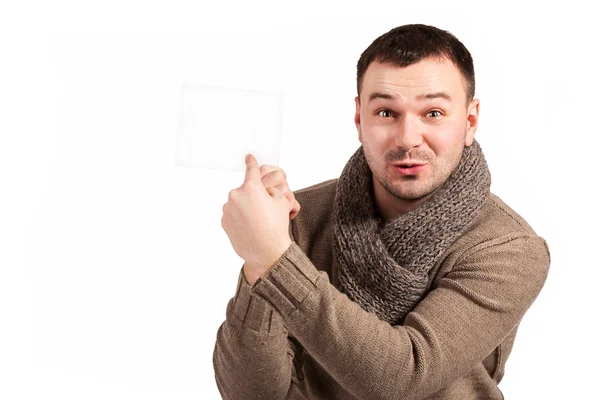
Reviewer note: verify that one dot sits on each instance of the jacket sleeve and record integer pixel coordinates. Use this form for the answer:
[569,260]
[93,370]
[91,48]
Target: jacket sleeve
[252,358]
[456,325]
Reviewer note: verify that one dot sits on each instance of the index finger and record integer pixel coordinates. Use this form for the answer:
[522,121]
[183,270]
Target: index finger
[252,171]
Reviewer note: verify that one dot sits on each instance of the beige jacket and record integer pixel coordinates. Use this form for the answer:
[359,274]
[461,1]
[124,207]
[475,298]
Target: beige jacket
[294,335]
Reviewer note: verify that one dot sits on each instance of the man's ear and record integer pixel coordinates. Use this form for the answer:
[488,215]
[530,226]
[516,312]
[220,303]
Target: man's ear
[472,121]
[357,118]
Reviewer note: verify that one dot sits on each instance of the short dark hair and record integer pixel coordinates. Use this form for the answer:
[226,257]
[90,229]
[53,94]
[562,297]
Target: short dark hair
[408,44]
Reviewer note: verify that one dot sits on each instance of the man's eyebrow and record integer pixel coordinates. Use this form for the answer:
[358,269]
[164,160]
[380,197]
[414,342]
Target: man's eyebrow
[378,95]
[437,95]
[427,96]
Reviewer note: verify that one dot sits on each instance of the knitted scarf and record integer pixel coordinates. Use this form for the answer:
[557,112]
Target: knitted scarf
[384,267]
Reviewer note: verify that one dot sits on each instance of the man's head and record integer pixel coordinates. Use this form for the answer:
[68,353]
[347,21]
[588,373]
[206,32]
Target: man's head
[415,104]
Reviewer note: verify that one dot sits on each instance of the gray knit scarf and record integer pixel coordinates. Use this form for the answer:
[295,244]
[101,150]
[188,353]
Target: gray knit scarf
[383,267]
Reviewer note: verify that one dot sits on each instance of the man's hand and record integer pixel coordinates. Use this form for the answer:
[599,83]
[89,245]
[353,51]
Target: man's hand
[273,176]
[257,221]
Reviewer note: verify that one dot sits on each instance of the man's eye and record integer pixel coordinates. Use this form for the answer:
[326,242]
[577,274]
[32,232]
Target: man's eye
[435,111]
[389,114]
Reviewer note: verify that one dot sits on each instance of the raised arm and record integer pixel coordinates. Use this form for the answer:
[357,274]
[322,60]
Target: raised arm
[455,326]
[252,358]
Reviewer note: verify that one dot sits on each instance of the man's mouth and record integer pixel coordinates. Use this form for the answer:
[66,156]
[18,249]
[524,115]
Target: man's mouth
[408,165]
[409,168]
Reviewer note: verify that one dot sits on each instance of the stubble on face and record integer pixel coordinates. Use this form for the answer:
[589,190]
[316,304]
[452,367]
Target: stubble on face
[439,143]
[412,187]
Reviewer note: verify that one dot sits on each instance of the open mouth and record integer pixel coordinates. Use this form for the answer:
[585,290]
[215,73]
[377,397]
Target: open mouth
[409,169]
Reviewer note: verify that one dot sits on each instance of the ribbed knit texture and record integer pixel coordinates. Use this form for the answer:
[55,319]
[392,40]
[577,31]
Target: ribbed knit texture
[292,335]
[383,267]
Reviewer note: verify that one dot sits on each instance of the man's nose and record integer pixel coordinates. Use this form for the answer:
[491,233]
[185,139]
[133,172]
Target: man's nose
[408,132]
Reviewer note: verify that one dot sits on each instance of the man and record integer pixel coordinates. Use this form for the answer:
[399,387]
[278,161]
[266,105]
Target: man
[405,278]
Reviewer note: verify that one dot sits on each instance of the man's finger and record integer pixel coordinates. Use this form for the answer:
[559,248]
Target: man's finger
[295,210]
[274,192]
[274,178]
[267,169]
[252,171]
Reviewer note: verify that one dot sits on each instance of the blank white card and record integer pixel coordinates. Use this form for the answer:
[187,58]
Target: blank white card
[218,126]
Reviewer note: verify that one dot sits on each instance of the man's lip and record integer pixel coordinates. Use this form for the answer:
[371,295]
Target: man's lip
[408,164]
[412,170]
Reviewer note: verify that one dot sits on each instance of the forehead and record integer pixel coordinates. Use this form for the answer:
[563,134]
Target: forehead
[408,83]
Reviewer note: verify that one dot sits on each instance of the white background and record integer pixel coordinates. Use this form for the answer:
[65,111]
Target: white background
[114,269]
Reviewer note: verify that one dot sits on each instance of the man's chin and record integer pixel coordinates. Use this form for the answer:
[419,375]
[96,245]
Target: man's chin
[414,194]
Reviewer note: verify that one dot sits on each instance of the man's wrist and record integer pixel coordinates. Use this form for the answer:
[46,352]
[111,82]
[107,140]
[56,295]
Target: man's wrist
[250,274]
[253,271]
